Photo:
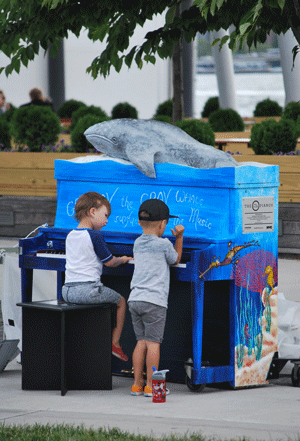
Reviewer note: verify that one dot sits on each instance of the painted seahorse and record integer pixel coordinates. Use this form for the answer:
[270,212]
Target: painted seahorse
[270,279]
[231,256]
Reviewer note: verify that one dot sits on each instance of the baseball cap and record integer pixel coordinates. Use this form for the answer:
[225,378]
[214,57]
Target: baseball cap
[157,210]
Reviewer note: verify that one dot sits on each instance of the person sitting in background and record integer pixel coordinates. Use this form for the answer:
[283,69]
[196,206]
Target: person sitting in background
[3,105]
[37,99]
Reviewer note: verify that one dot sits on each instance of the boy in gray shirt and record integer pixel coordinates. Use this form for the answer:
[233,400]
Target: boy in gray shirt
[148,300]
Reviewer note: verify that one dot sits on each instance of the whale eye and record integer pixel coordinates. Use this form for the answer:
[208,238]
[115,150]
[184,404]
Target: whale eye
[114,140]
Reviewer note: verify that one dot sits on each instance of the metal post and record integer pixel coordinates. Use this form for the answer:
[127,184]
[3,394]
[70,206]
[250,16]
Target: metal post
[187,71]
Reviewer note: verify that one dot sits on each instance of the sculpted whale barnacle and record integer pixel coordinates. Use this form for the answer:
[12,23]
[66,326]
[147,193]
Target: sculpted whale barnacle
[146,142]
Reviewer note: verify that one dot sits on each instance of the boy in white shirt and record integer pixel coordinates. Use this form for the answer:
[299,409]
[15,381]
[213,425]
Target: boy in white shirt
[86,252]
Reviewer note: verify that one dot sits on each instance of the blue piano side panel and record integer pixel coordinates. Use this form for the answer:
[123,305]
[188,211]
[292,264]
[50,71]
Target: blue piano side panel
[229,214]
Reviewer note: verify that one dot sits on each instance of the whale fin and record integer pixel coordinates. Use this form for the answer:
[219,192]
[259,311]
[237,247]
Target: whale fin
[144,161]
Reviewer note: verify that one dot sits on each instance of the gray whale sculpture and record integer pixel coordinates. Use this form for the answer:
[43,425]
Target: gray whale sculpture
[145,142]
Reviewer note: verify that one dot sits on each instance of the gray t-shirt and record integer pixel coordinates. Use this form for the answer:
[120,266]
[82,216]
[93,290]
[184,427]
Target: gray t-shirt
[151,277]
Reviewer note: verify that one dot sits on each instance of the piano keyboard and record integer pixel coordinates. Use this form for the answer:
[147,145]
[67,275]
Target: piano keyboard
[54,254]
[61,255]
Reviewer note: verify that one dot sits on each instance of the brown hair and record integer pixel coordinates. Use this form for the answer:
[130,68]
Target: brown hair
[36,94]
[89,200]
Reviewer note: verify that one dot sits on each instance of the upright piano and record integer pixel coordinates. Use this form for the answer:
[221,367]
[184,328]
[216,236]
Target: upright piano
[222,314]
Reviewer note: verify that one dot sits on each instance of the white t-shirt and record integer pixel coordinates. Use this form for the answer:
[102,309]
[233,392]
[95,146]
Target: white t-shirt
[86,251]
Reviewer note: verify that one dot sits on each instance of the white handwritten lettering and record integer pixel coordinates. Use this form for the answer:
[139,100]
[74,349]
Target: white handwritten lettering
[125,203]
[183,197]
[199,221]
[125,220]
[162,195]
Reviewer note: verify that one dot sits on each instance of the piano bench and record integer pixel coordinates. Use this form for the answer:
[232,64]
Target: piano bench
[67,346]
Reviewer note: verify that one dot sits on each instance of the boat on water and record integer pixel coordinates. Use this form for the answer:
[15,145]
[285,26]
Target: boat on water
[241,64]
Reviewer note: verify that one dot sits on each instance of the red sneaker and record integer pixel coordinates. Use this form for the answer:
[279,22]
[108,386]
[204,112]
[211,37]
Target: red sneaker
[118,352]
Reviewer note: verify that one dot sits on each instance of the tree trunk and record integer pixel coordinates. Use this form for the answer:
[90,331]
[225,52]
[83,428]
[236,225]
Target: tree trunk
[177,79]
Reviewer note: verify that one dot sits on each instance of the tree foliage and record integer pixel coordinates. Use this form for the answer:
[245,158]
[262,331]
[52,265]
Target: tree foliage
[28,25]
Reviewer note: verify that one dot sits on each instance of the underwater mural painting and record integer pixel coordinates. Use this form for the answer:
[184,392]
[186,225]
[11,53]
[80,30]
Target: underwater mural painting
[256,280]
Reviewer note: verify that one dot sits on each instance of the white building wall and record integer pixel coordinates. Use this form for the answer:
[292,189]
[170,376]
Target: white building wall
[16,86]
[144,89]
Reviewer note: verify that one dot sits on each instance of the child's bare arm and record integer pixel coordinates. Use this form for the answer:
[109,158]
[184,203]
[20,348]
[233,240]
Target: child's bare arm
[116,261]
[178,233]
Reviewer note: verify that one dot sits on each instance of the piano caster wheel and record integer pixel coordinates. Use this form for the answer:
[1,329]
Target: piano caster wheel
[194,387]
[295,376]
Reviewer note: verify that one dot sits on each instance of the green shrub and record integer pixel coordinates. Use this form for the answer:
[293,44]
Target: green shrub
[82,111]
[267,107]
[124,110]
[271,137]
[68,107]
[165,108]
[163,118]
[199,130]
[292,111]
[9,113]
[35,126]
[5,136]
[210,106]
[226,120]
[79,142]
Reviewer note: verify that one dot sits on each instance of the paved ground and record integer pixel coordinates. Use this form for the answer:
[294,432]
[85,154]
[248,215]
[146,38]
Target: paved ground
[268,412]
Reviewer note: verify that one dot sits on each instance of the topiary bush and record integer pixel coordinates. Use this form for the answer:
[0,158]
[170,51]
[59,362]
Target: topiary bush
[292,111]
[5,136]
[124,110]
[79,142]
[271,137]
[82,111]
[199,130]
[35,126]
[68,107]
[210,106]
[267,107]
[163,118]
[165,108]
[9,113]
[226,120]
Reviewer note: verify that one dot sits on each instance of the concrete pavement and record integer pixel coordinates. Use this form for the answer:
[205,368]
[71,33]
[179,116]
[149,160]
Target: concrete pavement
[267,412]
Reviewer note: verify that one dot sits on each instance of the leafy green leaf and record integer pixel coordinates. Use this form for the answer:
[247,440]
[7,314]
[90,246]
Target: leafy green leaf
[213,7]
[150,58]
[216,41]
[224,40]
[243,28]
[281,4]
[170,15]
[129,57]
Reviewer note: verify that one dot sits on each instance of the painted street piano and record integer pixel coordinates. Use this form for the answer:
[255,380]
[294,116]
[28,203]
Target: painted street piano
[222,316]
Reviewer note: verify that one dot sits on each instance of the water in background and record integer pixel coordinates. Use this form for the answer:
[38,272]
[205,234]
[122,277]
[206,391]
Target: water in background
[250,89]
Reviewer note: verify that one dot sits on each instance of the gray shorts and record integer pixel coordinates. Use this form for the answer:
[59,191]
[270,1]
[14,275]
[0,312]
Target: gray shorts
[148,320]
[89,292]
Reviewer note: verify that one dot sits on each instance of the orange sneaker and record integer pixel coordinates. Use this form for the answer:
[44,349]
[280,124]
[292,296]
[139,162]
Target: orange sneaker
[147,391]
[118,352]
[136,390]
